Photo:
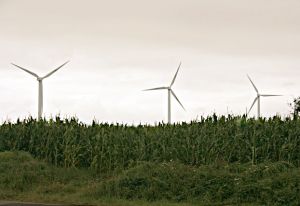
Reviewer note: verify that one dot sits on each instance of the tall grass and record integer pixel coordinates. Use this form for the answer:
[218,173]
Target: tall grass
[106,147]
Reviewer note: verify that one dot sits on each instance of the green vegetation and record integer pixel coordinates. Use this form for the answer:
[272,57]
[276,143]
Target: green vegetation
[105,147]
[24,178]
[295,105]
[217,160]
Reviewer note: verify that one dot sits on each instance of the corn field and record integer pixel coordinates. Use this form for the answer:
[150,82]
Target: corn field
[106,147]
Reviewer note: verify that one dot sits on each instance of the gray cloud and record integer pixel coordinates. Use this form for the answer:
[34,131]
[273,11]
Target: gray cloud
[118,48]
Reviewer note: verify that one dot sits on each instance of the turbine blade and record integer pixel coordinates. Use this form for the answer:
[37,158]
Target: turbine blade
[252,105]
[252,83]
[26,70]
[177,99]
[271,95]
[175,75]
[55,70]
[156,88]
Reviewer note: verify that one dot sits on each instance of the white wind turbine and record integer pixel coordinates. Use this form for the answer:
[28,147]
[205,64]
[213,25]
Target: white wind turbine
[257,98]
[40,81]
[170,91]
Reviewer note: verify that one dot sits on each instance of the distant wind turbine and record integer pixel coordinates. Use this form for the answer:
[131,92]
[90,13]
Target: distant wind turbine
[258,98]
[40,80]
[170,92]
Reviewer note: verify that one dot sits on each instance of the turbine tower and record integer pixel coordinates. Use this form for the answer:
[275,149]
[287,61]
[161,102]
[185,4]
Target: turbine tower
[258,98]
[40,90]
[170,92]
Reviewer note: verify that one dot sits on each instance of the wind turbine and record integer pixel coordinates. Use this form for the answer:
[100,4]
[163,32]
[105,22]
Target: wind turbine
[40,81]
[170,92]
[257,98]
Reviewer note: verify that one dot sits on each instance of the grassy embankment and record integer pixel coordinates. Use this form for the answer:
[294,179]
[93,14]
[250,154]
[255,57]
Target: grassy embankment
[25,179]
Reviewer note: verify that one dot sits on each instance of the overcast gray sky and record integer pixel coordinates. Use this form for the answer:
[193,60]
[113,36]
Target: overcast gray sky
[118,48]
